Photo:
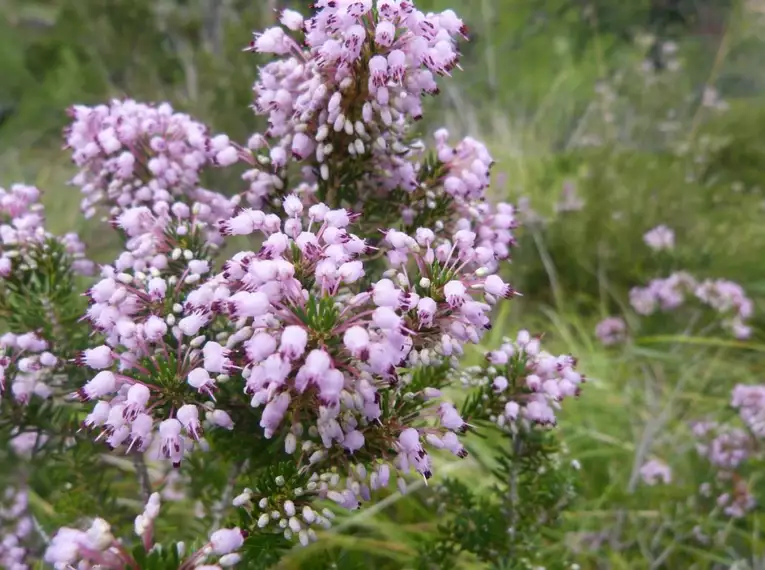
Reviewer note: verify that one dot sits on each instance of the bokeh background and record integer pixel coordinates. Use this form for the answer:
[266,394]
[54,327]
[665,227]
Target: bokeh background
[606,119]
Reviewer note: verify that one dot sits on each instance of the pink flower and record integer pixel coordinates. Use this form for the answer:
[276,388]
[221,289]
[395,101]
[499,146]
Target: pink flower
[317,363]
[612,330]
[199,378]
[293,342]
[291,19]
[191,324]
[172,444]
[215,357]
[495,286]
[356,340]
[226,540]
[98,358]
[353,441]
[655,471]
[188,415]
[102,384]
[221,419]
[660,238]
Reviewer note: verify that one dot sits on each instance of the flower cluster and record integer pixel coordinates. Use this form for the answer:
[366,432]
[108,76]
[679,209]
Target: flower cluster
[16,527]
[522,384]
[341,106]
[654,472]
[130,154]
[145,355]
[98,547]
[660,238]
[729,449]
[289,511]
[23,234]
[316,350]
[26,367]
[750,403]
[611,331]
[725,297]
[723,445]
[344,101]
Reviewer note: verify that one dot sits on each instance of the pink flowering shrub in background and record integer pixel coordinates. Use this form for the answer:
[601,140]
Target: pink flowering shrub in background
[302,332]
[660,238]
[611,331]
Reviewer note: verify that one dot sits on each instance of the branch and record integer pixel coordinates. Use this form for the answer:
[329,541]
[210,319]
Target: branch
[225,499]
[143,476]
[512,494]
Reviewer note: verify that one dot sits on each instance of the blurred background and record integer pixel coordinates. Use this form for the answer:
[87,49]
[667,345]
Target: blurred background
[606,119]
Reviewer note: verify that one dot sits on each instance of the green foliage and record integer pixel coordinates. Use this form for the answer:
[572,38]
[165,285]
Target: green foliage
[82,52]
[509,528]
[319,315]
[42,295]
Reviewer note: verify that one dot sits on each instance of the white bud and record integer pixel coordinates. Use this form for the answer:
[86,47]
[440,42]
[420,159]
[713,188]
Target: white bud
[317,456]
[241,499]
[229,560]
[303,537]
[290,443]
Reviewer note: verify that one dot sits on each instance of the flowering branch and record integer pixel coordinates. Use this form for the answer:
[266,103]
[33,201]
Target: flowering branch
[315,360]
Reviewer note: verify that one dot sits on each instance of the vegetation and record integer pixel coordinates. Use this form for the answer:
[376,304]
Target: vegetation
[605,121]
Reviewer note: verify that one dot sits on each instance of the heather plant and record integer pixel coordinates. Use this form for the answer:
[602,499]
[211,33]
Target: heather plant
[269,356]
